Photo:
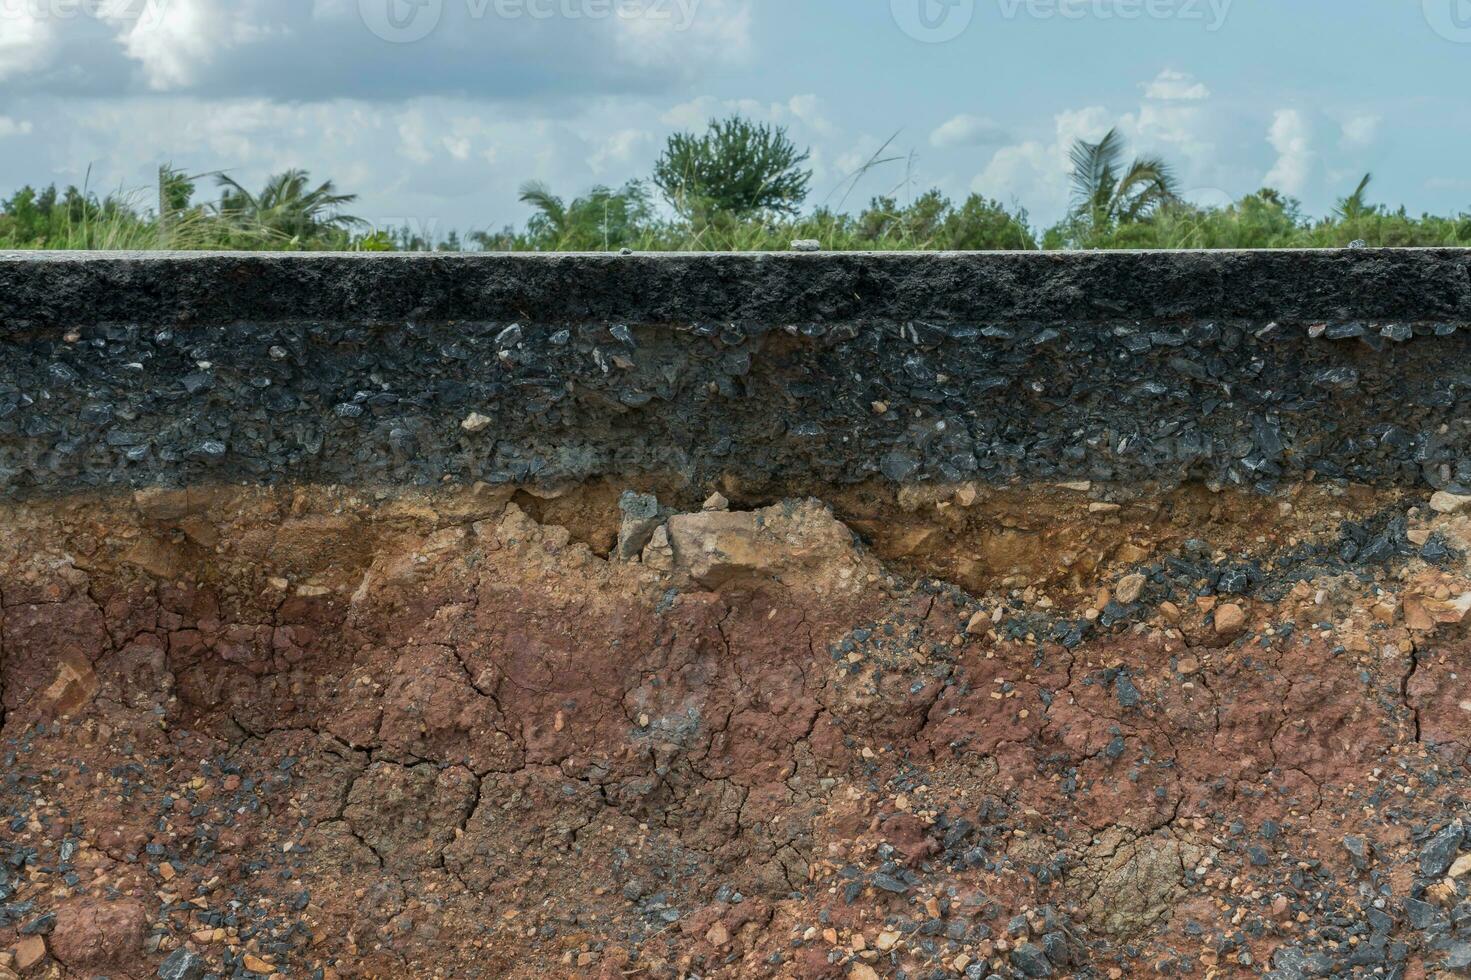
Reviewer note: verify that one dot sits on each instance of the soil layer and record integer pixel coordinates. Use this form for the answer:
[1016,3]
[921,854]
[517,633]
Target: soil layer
[1069,731]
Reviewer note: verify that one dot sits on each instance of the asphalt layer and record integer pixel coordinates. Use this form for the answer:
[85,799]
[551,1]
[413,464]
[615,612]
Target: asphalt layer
[1248,368]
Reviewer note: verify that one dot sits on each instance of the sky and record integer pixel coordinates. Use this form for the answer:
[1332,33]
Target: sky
[435,111]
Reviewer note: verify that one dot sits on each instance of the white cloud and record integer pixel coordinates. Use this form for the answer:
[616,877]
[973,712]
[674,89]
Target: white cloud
[176,43]
[617,151]
[300,50]
[966,130]
[806,110]
[1173,120]
[14,127]
[809,109]
[693,33]
[1035,172]
[1360,131]
[1176,86]
[1291,136]
[27,40]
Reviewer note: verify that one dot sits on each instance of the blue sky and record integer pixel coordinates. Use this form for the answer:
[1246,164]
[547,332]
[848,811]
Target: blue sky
[435,111]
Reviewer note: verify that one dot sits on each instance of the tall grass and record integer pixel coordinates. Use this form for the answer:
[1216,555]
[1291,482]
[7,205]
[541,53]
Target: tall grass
[607,220]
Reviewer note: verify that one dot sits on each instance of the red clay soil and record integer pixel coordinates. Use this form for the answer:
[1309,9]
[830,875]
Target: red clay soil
[326,732]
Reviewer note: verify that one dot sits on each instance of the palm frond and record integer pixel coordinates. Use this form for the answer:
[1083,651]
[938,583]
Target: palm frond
[1148,184]
[1094,168]
[1357,203]
[540,196]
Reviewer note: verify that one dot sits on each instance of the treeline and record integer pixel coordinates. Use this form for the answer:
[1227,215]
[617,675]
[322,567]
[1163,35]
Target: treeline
[739,186]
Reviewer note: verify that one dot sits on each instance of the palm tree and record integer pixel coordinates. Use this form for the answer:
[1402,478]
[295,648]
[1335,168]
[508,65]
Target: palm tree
[550,221]
[286,208]
[602,219]
[1356,205]
[1106,193]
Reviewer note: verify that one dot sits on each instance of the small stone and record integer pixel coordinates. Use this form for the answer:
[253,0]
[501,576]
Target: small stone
[1417,617]
[718,935]
[1230,620]
[1438,853]
[1449,503]
[29,952]
[1188,665]
[1358,849]
[1031,961]
[1130,588]
[475,422]
[257,965]
[1460,867]
[716,503]
[806,245]
[659,555]
[979,625]
[182,964]
[640,519]
[898,466]
[886,940]
[862,971]
[1099,507]
[889,883]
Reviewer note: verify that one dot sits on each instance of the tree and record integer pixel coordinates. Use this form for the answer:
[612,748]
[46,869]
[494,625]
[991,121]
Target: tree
[602,220]
[1356,205]
[933,222]
[1106,193]
[736,168]
[286,208]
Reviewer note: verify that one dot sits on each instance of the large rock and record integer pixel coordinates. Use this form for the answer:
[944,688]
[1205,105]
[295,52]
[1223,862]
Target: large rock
[785,542]
[1136,880]
[1449,503]
[90,934]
